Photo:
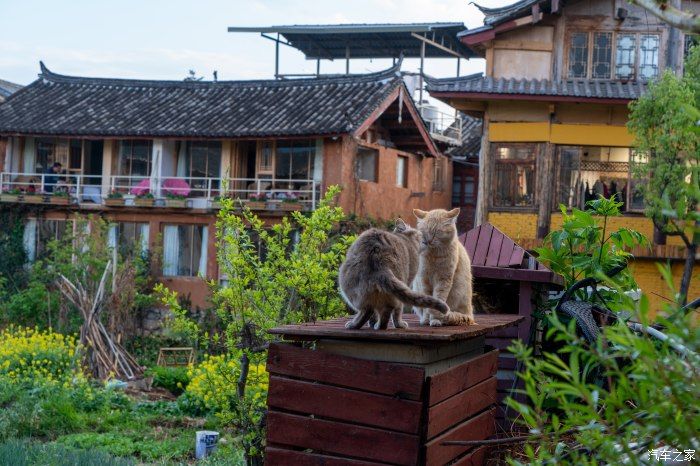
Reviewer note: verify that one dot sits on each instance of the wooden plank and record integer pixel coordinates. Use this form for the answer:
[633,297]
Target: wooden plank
[459,378]
[462,406]
[275,456]
[516,259]
[396,380]
[342,439]
[503,273]
[506,251]
[525,310]
[342,404]
[507,332]
[509,385]
[477,428]
[477,457]
[482,245]
[470,240]
[335,328]
[494,248]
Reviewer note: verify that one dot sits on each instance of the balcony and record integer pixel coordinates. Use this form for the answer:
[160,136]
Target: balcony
[151,192]
[443,126]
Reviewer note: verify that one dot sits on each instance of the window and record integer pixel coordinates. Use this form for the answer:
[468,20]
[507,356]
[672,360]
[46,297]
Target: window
[438,176]
[135,159]
[68,152]
[265,157]
[131,238]
[184,250]
[514,175]
[38,233]
[402,171]
[202,159]
[586,172]
[591,55]
[294,163]
[366,165]
[463,190]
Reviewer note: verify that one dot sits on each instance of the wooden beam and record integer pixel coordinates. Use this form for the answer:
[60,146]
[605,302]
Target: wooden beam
[536,16]
[436,45]
[544,183]
[537,46]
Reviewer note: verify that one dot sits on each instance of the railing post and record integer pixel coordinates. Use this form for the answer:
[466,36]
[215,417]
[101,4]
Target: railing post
[42,185]
[313,195]
[258,186]
[77,186]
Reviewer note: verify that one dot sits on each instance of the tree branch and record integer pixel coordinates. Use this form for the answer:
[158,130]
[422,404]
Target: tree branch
[683,20]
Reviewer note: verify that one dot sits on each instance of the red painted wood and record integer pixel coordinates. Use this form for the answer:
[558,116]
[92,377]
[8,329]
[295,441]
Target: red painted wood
[459,378]
[281,457]
[476,428]
[344,404]
[516,259]
[476,457]
[396,380]
[525,310]
[470,241]
[494,248]
[504,273]
[507,332]
[507,246]
[462,406]
[341,439]
[482,245]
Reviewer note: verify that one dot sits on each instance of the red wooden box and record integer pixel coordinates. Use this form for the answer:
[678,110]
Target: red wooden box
[368,397]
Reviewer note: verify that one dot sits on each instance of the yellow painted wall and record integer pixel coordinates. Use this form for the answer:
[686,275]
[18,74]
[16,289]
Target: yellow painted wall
[652,284]
[589,135]
[516,225]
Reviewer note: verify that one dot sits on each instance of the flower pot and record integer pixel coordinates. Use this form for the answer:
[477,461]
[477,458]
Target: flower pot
[114,202]
[291,206]
[178,203]
[34,198]
[11,198]
[214,204]
[60,200]
[144,202]
[256,205]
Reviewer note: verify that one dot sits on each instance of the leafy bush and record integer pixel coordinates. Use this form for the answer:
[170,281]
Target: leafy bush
[22,453]
[173,379]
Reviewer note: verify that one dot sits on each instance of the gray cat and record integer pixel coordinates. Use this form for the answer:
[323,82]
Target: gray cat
[376,276]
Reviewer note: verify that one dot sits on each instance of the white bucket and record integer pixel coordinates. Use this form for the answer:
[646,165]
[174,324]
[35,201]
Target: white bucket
[205,443]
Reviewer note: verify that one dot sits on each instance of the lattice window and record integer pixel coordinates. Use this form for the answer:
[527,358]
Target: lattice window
[649,55]
[625,50]
[606,167]
[602,55]
[514,177]
[578,55]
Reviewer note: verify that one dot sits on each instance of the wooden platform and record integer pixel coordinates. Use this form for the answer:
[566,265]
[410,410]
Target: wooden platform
[415,333]
[378,397]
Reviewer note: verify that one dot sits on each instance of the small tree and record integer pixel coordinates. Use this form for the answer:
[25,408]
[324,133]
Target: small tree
[273,276]
[664,124]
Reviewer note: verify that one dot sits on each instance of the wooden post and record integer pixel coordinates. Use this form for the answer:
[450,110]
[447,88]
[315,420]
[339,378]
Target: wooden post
[347,59]
[483,191]
[277,57]
[545,187]
[422,60]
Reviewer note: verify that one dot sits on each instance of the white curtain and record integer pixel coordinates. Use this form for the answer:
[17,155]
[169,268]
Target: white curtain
[182,160]
[202,272]
[112,236]
[29,239]
[144,238]
[171,250]
[28,156]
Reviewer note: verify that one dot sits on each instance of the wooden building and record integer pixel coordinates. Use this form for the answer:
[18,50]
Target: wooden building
[273,144]
[554,103]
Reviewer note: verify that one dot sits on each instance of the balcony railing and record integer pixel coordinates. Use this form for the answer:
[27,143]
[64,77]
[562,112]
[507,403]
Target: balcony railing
[442,126]
[192,192]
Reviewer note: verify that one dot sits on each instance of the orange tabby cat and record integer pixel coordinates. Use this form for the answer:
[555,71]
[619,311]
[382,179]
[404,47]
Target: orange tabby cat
[444,271]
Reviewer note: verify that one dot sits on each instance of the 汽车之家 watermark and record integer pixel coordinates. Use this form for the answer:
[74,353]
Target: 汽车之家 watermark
[668,454]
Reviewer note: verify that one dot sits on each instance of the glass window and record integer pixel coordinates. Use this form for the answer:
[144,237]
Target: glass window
[367,159]
[38,233]
[438,182]
[202,161]
[402,171]
[578,55]
[135,159]
[514,177]
[457,190]
[131,238]
[294,162]
[267,149]
[625,50]
[648,55]
[569,187]
[602,55]
[184,250]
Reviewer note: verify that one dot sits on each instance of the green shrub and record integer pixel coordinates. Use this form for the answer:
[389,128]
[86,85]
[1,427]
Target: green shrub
[22,453]
[173,379]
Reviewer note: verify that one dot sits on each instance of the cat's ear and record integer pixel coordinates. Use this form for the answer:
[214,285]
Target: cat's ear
[452,213]
[400,225]
[420,214]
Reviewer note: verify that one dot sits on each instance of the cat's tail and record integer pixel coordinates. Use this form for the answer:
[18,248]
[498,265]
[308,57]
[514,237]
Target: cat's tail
[458,318]
[341,291]
[392,285]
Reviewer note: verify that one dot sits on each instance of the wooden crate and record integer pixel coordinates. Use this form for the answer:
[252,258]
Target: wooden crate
[370,397]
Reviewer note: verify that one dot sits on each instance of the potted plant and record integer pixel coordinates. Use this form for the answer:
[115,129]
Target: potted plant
[11,195]
[175,200]
[32,197]
[290,202]
[144,200]
[60,198]
[115,198]
[257,201]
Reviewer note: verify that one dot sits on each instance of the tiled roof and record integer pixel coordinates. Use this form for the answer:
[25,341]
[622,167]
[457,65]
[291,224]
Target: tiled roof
[498,15]
[581,89]
[64,105]
[471,138]
[7,88]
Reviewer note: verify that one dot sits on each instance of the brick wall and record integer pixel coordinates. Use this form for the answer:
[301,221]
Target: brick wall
[517,226]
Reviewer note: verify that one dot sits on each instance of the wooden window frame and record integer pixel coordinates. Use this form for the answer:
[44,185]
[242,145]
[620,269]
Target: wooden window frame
[536,148]
[405,159]
[130,158]
[438,175]
[589,64]
[376,165]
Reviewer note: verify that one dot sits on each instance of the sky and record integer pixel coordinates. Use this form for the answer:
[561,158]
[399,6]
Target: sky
[157,39]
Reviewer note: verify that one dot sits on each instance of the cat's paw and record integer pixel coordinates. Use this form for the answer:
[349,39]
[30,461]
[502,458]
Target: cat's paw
[435,323]
[350,324]
[424,319]
[402,324]
[470,320]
